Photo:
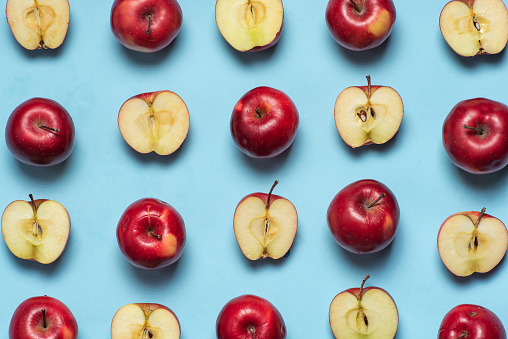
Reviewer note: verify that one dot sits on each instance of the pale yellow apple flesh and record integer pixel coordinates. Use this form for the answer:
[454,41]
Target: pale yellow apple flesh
[361,120]
[41,236]
[159,125]
[131,322]
[263,233]
[38,23]
[478,29]
[466,249]
[249,24]
[374,316]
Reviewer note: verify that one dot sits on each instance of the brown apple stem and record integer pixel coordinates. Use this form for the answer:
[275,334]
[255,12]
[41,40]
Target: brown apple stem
[477,130]
[44,324]
[482,212]
[258,112]
[51,129]
[463,335]
[369,86]
[252,330]
[360,295]
[357,8]
[377,200]
[158,236]
[149,17]
[270,194]
[32,202]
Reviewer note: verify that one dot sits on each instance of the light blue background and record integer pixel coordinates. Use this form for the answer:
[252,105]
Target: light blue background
[91,75]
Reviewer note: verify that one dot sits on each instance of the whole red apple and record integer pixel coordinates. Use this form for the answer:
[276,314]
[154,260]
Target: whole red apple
[363,217]
[475,135]
[360,24]
[264,122]
[146,25]
[151,234]
[249,316]
[40,132]
[471,322]
[43,318]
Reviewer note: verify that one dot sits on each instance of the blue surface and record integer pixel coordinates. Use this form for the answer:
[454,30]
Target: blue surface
[91,75]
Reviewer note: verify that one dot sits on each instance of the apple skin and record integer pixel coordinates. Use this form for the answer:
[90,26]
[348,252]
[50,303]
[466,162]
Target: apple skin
[264,122]
[360,30]
[130,22]
[27,320]
[358,228]
[247,313]
[468,149]
[471,322]
[140,227]
[35,145]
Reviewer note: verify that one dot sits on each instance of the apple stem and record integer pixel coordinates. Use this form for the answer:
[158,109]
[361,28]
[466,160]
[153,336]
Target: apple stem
[360,295]
[158,236]
[357,8]
[463,335]
[369,84]
[252,330]
[482,212]
[477,130]
[44,324]
[258,112]
[377,200]
[149,17]
[51,129]
[270,194]
[32,202]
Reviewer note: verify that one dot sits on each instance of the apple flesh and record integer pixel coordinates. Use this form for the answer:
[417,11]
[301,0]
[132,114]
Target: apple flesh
[145,321]
[249,25]
[360,25]
[154,122]
[368,114]
[364,216]
[265,225]
[146,25]
[43,317]
[38,24]
[471,322]
[151,234]
[36,230]
[472,27]
[472,241]
[363,313]
[250,316]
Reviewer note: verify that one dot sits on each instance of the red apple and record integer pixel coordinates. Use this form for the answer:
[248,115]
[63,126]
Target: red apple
[474,135]
[146,25]
[360,24]
[43,318]
[249,317]
[363,217]
[264,122]
[40,132]
[471,322]
[151,234]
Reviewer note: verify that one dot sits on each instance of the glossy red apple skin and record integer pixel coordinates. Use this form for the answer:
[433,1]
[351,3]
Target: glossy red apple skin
[137,232]
[471,322]
[358,228]
[27,320]
[350,28]
[33,144]
[475,152]
[264,122]
[247,312]
[130,21]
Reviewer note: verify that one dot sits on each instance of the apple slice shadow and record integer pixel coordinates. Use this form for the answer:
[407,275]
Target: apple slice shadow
[370,56]
[43,174]
[369,262]
[486,182]
[148,59]
[269,165]
[155,277]
[474,61]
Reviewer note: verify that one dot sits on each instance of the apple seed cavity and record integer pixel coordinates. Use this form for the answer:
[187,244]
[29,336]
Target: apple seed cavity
[253,13]
[36,228]
[266,232]
[38,18]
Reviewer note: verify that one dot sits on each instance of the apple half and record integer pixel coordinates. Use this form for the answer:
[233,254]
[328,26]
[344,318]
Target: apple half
[36,230]
[250,25]
[368,114]
[38,24]
[145,321]
[363,313]
[472,27]
[154,122]
[265,225]
[472,241]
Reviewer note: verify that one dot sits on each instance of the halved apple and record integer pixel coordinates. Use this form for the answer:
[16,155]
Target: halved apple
[475,27]
[36,229]
[38,23]
[368,114]
[472,241]
[154,122]
[250,25]
[265,225]
[145,321]
[363,313]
